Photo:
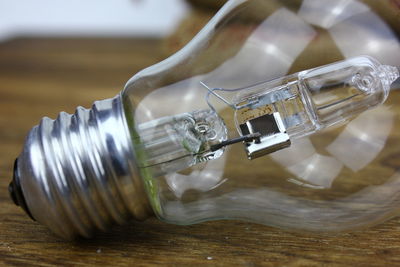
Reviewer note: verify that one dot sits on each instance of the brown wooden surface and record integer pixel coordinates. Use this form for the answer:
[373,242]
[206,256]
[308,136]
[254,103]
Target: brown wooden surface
[43,77]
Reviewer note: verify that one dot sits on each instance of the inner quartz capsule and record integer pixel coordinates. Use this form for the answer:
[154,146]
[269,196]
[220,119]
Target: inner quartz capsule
[267,115]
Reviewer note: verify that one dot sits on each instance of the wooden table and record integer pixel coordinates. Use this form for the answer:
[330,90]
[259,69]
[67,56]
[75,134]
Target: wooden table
[40,77]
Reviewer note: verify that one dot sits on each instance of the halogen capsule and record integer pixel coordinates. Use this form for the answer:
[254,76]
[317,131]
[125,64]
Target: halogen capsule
[309,101]
[267,115]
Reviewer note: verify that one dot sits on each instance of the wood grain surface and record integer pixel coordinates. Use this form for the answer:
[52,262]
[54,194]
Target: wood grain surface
[41,77]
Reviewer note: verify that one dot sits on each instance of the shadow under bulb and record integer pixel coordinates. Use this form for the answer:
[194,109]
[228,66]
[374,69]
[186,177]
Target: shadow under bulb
[191,139]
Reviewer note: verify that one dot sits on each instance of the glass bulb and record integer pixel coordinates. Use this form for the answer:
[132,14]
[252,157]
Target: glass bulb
[220,130]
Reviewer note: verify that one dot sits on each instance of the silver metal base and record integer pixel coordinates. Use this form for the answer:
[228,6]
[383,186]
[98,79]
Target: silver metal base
[78,172]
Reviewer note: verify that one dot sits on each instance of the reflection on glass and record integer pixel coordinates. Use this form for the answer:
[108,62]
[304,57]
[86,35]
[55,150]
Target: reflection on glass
[367,34]
[309,167]
[366,135]
[325,14]
[276,42]
[211,173]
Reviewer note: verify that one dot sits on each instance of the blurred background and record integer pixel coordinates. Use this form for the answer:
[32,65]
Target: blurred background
[57,18]
[56,54]
[105,19]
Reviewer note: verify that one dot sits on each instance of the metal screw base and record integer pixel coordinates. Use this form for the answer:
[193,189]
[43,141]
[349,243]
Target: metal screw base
[78,173]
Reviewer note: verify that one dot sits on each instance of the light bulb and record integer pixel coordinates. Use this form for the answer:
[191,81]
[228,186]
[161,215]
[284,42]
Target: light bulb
[220,131]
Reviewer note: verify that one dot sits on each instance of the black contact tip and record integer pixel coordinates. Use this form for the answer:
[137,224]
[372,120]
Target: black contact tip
[16,193]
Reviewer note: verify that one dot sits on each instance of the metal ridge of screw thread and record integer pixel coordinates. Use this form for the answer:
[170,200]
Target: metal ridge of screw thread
[76,173]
